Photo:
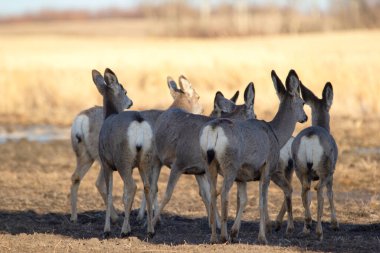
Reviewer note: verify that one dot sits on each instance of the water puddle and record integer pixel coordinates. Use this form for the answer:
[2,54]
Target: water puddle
[39,133]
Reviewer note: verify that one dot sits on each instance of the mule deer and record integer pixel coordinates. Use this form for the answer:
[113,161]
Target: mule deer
[315,155]
[222,105]
[85,143]
[244,151]
[126,141]
[176,137]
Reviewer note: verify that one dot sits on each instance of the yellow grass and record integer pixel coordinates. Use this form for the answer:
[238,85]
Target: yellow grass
[46,77]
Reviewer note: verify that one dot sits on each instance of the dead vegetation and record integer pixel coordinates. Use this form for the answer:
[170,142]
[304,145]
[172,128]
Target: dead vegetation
[46,77]
[35,214]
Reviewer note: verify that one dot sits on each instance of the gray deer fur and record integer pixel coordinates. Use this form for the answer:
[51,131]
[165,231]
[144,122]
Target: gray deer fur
[222,105]
[126,141]
[244,151]
[85,131]
[315,154]
[176,137]
[85,143]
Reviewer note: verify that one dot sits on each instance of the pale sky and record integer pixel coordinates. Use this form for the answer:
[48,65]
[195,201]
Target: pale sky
[17,7]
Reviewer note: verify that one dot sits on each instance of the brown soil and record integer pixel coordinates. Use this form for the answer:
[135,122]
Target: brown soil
[34,206]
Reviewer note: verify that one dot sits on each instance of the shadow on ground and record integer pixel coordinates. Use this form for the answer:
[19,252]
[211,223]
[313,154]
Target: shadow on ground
[175,229]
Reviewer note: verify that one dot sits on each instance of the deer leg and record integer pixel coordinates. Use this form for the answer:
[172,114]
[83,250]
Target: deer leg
[288,175]
[109,185]
[84,163]
[229,178]
[241,204]
[143,170]
[212,175]
[280,180]
[306,203]
[101,186]
[153,178]
[129,191]
[263,191]
[142,208]
[175,174]
[204,192]
[330,195]
[319,188]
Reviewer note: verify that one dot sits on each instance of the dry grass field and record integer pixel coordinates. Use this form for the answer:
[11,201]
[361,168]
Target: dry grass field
[45,73]
[45,78]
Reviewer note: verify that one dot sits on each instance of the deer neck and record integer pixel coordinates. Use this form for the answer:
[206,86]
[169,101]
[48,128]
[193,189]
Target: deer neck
[321,119]
[283,123]
[180,104]
[109,108]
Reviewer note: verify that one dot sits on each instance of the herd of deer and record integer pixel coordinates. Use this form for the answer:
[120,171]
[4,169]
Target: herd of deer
[230,142]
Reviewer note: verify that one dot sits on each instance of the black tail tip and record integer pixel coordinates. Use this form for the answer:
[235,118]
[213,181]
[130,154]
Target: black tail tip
[138,148]
[309,165]
[79,138]
[210,155]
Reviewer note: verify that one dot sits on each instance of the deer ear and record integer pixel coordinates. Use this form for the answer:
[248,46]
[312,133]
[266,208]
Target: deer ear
[249,95]
[99,81]
[110,77]
[185,85]
[328,95]
[292,83]
[174,91]
[222,104]
[278,85]
[235,97]
[307,95]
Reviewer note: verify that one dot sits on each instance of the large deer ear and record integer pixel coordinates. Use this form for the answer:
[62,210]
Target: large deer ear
[249,95]
[307,95]
[235,97]
[222,104]
[278,85]
[186,85]
[110,77]
[174,91]
[99,81]
[292,83]
[328,95]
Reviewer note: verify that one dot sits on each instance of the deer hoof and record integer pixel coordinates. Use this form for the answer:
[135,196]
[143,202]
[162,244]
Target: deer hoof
[125,234]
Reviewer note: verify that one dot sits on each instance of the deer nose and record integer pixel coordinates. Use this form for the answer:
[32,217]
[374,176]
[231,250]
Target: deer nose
[304,120]
[130,105]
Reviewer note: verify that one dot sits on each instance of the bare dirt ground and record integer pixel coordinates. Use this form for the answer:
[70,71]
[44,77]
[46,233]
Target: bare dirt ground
[34,206]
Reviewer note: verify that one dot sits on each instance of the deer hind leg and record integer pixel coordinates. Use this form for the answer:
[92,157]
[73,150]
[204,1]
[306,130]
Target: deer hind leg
[241,204]
[319,187]
[142,208]
[153,178]
[204,192]
[84,162]
[129,191]
[175,174]
[212,175]
[228,180]
[263,191]
[288,175]
[149,195]
[305,195]
[108,176]
[280,180]
[101,186]
[330,195]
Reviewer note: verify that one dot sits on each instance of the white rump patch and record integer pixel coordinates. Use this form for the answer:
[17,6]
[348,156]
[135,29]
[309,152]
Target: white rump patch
[286,151]
[310,150]
[139,134]
[213,139]
[80,127]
